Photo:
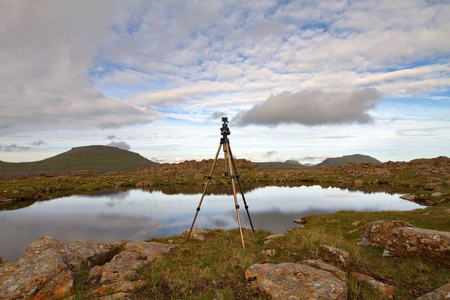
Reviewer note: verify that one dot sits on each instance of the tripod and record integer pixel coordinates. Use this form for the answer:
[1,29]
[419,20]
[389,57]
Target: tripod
[231,171]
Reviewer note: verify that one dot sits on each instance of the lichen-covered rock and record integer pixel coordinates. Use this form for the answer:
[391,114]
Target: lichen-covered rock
[295,281]
[408,241]
[424,243]
[379,233]
[442,293]
[45,271]
[339,257]
[386,290]
[117,275]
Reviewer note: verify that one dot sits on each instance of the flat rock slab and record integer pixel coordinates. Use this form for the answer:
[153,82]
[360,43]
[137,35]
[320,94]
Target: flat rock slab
[402,239]
[295,281]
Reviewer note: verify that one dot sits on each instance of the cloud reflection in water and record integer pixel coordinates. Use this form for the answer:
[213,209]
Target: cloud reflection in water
[137,214]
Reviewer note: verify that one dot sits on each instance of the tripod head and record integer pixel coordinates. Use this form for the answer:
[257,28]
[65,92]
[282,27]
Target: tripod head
[224,131]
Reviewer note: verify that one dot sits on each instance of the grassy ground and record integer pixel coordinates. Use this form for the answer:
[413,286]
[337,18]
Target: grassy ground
[214,269]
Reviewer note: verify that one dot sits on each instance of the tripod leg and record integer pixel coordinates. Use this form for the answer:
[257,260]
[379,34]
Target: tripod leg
[227,146]
[240,189]
[204,191]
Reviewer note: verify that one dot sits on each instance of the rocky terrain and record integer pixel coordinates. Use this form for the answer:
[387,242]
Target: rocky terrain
[427,181]
[49,268]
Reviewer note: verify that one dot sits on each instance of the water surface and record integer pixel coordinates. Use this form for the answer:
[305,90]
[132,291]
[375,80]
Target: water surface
[139,214]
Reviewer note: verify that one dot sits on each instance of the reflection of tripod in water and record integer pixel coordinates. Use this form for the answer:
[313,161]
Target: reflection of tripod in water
[230,170]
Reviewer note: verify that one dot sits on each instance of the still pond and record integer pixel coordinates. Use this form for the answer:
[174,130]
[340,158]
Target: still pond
[140,214]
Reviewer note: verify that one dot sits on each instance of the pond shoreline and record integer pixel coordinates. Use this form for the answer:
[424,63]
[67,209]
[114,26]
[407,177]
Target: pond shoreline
[427,179]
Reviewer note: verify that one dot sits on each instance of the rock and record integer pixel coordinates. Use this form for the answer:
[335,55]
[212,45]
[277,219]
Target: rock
[357,223]
[272,237]
[197,234]
[116,290]
[75,253]
[408,241]
[45,271]
[436,195]
[339,257]
[300,221]
[144,184]
[358,182]
[320,264]
[430,186]
[295,281]
[269,252]
[125,264]
[409,197]
[353,231]
[385,289]
[44,276]
[439,294]
[118,276]
[378,233]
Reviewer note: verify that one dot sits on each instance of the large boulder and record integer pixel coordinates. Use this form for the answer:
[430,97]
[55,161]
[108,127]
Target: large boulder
[442,292]
[295,281]
[46,269]
[408,241]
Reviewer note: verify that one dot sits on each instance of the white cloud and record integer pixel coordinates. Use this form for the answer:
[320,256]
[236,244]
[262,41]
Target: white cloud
[120,145]
[103,64]
[48,49]
[312,108]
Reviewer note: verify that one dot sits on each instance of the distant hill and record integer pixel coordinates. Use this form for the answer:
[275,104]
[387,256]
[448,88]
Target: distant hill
[99,159]
[329,162]
[278,165]
[341,161]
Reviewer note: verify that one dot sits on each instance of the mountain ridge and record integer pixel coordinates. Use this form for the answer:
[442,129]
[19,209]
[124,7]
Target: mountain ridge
[329,162]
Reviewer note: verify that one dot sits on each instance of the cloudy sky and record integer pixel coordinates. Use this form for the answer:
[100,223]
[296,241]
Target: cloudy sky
[302,80]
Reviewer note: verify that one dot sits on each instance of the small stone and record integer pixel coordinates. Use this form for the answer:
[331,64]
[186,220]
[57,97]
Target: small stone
[387,253]
[197,234]
[300,221]
[436,195]
[269,252]
[409,197]
[272,237]
[357,223]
